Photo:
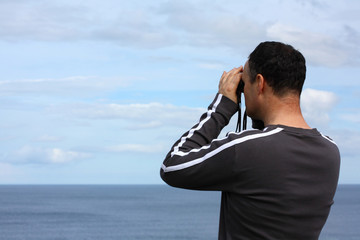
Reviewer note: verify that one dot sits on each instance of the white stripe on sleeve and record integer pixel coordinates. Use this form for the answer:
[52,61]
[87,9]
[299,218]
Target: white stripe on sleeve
[217,150]
[191,132]
[327,138]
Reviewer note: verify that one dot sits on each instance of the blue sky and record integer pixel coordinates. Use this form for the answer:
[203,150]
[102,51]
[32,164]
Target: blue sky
[96,92]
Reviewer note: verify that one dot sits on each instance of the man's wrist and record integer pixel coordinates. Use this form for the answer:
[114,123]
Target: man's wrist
[227,107]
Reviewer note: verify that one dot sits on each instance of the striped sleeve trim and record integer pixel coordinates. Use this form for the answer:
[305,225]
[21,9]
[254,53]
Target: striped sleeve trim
[217,150]
[199,126]
[327,138]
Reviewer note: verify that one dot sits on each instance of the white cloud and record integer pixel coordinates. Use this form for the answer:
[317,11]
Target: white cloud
[316,105]
[39,20]
[215,29]
[139,116]
[137,148]
[56,155]
[216,66]
[318,49]
[146,125]
[115,21]
[353,117]
[78,85]
[202,24]
[29,155]
[48,138]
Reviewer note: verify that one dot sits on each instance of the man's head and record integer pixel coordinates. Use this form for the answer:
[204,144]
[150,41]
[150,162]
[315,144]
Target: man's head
[282,67]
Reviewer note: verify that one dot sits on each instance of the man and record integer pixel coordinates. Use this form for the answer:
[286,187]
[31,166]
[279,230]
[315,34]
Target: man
[277,182]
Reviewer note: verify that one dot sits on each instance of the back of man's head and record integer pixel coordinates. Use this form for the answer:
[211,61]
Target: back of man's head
[282,66]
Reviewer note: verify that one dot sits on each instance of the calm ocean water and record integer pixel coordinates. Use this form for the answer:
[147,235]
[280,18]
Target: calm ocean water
[108,212]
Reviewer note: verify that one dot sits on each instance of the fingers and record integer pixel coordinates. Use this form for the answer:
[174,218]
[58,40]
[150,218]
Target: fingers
[231,75]
[229,82]
[239,69]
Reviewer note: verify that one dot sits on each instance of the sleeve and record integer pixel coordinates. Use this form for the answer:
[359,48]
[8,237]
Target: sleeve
[198,160]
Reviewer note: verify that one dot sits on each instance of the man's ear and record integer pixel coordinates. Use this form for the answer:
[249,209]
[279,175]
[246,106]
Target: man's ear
[260,83]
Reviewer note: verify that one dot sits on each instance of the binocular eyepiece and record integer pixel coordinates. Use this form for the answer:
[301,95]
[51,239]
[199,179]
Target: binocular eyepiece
[239,91]
[256,124]
[240,88]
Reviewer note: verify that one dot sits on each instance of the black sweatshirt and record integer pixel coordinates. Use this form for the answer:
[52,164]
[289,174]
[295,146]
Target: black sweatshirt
[276,183]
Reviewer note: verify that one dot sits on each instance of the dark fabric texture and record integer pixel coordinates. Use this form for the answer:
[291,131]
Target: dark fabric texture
[276,183]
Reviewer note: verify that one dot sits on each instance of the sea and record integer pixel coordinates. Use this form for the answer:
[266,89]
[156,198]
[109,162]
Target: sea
[136,212]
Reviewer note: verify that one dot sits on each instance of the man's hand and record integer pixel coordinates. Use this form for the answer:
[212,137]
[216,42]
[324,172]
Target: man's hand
[229,82]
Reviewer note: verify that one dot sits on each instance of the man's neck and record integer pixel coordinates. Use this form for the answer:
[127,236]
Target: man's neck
[285,111]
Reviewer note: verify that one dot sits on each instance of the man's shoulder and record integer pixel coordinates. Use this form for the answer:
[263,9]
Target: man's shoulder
[252,134]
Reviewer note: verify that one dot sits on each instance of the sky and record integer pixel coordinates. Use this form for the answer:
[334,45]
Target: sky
[97,92]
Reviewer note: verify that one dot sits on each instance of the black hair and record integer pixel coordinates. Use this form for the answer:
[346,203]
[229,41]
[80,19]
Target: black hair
[282,66]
